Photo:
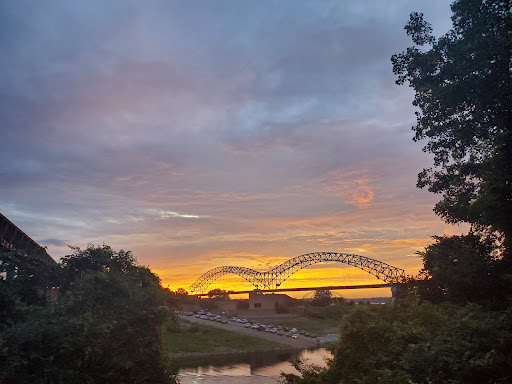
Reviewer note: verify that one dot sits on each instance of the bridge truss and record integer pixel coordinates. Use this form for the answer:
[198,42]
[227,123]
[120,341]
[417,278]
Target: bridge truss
[14,239]
[273,278]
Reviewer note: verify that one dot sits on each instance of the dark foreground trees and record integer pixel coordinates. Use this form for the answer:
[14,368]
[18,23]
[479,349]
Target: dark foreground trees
[463,84]
[462,269]
[103,328]
[410,342]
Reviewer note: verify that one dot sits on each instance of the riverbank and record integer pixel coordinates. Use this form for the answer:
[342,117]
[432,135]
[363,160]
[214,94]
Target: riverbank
[198,339]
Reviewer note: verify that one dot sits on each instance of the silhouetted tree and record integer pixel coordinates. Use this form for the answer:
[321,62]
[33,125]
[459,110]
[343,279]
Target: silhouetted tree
[463,84]
[322,298]
[218,294]
[462,269]
[103,328]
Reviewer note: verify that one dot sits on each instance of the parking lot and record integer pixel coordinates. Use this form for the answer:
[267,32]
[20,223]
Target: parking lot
[300,342]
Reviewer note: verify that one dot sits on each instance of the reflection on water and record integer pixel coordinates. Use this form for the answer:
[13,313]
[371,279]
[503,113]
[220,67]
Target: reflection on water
[253,368]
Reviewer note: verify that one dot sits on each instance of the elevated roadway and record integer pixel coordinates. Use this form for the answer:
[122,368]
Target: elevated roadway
[13,238]
[330,288]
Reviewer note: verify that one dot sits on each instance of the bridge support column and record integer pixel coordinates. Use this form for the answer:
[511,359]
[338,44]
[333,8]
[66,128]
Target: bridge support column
[394,289]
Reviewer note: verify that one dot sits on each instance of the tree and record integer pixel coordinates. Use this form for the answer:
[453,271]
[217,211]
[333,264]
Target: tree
[96,258]
[417,343]
[28,280]
[218,294]
[182,292]
[104,328]
[461,269]
[463,84]
[322,298]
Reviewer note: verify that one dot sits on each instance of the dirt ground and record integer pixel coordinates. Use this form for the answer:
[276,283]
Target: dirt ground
[300,342]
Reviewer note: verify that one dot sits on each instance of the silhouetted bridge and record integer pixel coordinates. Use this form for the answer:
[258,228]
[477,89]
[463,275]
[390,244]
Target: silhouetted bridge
[271,280]
[14,239]
[324,288]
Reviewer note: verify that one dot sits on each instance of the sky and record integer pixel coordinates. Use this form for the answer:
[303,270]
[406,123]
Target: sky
[205,133]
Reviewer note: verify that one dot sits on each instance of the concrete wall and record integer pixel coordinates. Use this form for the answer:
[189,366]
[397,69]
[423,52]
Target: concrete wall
[260,301]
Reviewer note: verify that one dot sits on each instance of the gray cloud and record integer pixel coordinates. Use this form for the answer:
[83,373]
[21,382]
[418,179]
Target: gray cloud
[248,124]
[53,242]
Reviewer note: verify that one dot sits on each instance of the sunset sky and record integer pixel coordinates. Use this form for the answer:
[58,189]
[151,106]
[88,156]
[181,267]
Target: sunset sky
[205,133]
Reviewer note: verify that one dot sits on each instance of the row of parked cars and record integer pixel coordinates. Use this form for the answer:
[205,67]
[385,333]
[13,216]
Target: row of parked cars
[211,317]
[279,330]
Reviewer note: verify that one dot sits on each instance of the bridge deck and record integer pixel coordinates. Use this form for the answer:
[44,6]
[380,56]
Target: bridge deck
[330,288]
[13,238]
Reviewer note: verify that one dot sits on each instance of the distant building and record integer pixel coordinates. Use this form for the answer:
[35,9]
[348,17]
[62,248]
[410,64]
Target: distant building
[258,300]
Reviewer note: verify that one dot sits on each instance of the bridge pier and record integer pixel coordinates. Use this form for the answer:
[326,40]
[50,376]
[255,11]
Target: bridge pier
[394,290]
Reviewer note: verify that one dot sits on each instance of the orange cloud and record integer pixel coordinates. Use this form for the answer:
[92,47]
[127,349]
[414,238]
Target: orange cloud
[362,195]
[354,187]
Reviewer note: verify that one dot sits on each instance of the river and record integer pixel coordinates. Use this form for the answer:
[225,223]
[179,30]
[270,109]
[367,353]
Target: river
[254,368]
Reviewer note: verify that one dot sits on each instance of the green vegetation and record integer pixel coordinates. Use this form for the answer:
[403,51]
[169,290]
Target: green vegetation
[463,88]
[218,294]
[462,269]
[413,342]
[452,322]
[205,339]
[102,326]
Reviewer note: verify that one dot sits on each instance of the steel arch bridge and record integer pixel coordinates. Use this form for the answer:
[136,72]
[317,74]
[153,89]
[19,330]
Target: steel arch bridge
[273,278]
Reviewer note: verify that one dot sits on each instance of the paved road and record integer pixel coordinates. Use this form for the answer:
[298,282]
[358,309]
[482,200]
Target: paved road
[300,342]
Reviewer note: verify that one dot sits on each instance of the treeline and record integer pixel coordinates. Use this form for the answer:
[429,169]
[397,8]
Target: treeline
[411,342]
[93,318]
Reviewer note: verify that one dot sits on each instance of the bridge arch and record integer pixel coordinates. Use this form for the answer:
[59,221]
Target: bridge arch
[273,278]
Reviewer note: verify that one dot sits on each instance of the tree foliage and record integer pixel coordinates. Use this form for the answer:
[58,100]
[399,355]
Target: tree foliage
[218,294]
[463,85]
[322,298]
[102,329]
[417,343]
[462,269]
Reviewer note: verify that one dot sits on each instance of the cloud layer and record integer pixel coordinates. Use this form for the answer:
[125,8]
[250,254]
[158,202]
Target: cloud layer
[198,134]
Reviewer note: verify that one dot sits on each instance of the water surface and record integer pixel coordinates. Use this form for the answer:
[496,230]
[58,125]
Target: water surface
[255,368]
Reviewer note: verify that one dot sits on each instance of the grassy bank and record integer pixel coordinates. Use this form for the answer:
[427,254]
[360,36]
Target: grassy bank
[194,340]
[320,327]
[320,321]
